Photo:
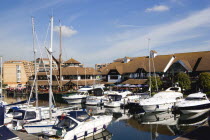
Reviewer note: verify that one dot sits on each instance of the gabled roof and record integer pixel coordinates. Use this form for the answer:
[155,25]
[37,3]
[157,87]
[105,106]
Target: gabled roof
[72,61]
[191,57]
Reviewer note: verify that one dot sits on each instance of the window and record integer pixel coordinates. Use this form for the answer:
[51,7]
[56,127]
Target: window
[65,122]
[113,76]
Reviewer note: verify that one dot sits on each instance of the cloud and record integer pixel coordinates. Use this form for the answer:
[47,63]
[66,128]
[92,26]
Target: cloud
[66,31]
[162,37]
[158,8]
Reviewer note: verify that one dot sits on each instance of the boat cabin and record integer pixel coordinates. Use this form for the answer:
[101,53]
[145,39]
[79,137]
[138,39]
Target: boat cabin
[24,115]
[114,97]
[196,97]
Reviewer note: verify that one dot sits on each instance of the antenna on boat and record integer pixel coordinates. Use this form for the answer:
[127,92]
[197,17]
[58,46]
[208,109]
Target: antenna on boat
[50,83]
[35,70]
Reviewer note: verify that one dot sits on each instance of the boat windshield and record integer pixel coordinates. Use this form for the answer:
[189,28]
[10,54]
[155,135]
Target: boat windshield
[79,115]
[20,114]
[64,122]
[195,98]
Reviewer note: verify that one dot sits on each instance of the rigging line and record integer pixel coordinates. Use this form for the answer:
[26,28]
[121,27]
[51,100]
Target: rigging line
[29,100]
[41,53]
[155,74]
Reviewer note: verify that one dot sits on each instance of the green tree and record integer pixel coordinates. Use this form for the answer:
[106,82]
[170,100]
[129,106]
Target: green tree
[153,82]
[204,81]
[184,80]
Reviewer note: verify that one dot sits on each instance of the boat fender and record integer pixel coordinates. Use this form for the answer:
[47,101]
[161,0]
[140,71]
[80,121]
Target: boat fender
[75,137]
[104,126]
[157,106]
[94,130]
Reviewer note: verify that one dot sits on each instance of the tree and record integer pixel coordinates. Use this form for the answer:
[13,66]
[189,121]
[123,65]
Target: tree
[153,82]
[204,80]
[184,81]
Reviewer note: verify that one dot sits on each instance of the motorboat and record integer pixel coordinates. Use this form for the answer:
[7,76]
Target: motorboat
[116,99]
[135,99]
[95,100]
[79,97]
[162,101]
[38,126]
[85,89]
[194,103]
[23,116]
[78,125]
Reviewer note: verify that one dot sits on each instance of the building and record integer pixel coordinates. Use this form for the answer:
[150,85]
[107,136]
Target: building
[72,74]
[43,64]
[164,66]
[17,72]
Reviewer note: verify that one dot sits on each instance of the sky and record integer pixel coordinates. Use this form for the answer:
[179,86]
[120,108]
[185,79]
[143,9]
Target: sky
[99,31]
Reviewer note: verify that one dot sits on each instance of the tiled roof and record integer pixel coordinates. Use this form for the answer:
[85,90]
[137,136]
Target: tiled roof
[204,64]
[191,61]
[72,61]
[76,71]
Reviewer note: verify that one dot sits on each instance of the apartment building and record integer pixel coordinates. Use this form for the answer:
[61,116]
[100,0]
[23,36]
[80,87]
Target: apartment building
[17,72]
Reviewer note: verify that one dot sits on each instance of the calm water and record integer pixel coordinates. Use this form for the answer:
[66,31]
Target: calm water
[150,126]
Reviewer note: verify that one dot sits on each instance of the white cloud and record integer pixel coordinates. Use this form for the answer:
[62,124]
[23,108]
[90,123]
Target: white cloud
[66,31]
[158,8]
[162,36]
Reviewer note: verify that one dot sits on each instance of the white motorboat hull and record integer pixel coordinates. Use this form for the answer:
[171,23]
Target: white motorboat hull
[112,104]
[158,107]
[75,100]
[85,129]
[197,108]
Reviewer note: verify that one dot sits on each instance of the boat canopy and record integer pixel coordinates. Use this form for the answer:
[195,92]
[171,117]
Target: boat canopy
[197,95]
[79,115]
[26,115]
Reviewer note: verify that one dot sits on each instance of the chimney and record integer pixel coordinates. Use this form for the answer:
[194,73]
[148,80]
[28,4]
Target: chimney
[126,59]
[153,54]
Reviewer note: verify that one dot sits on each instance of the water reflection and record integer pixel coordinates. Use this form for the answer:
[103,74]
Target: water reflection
[134,124]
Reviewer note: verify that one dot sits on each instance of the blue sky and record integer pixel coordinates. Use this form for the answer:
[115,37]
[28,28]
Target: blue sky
[99,31]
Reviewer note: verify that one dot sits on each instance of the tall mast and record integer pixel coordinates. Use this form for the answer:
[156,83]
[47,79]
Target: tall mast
[85,77]
[60,57]
[35,67]
[150,80]
[1,80]
[50,83]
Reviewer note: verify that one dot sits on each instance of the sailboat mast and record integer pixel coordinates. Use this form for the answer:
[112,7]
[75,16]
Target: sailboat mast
[1,80]
[35,70]
[150,80]
[60,57]
[50,83]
